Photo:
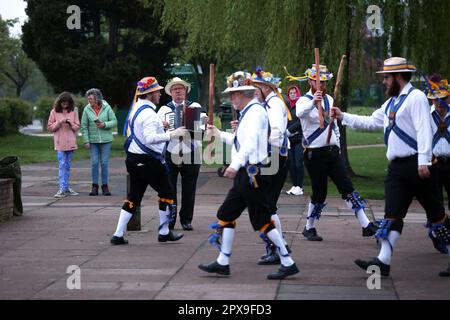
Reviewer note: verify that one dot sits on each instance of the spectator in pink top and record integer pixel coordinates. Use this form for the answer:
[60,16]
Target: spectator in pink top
[64,123]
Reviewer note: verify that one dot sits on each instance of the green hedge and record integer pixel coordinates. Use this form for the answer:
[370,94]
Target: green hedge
[45,104]
[13,114]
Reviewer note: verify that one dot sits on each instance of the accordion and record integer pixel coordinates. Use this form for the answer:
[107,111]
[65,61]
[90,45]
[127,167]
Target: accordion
[191,118]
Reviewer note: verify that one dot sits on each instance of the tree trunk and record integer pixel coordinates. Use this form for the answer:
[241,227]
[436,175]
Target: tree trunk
[113,34]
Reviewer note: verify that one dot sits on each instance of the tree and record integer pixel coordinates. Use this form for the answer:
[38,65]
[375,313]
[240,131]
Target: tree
[119,43]
[15,67]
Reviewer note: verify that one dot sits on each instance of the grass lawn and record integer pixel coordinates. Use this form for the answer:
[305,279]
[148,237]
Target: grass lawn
[370,166]
[32,149]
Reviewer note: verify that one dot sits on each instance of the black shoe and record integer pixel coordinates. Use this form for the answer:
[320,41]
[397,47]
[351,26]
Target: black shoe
[270,259]
[187,226]
[370,230]
[171,236]
[445,273]
[311,234]
[283,272]
[118,241]
[442,248]
[384,268]
[215,267]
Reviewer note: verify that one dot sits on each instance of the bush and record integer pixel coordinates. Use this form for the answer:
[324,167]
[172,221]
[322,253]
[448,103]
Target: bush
[45,104]
[13,114]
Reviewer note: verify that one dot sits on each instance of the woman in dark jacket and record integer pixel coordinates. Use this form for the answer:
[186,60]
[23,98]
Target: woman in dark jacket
[294,131]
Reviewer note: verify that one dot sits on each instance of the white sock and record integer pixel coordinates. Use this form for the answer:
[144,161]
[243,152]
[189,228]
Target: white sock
[385,254]
[285,258]
[309,220]
[362,218]
[164,221]
[227,244]
[276,221]
[360,214]
[124,218]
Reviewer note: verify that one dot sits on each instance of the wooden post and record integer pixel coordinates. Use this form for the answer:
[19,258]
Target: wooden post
[135,223]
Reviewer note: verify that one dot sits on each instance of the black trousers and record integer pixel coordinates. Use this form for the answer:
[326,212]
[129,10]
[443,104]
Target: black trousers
[443,178]
[403,183]
[243,195]
[322,163]
[189,175]
[276,184]
[145,170]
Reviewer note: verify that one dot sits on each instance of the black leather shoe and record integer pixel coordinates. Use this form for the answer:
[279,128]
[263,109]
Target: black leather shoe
[311,234]
[215,267]
[118,241]
[384,268]
[171,236]
[187,226]
[283,272]
[445,273]
[270,259]
[370,230]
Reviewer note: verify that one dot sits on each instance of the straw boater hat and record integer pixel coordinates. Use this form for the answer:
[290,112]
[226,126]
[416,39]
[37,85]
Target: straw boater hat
[397,64]
[239,81]
[266,78]
[175,81]
[147,85]
[441,89]
[325,75]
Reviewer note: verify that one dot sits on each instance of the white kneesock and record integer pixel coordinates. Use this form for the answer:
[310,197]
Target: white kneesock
[309,220]
[227,245]
[276,221]
[385,254]
[164,221]
[124,218]
[285,258]
[360,214]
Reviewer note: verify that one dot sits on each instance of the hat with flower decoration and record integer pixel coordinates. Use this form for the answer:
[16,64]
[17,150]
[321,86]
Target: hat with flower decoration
[325,75]
[147,85]
[239,81]
[267,78]
[440,88]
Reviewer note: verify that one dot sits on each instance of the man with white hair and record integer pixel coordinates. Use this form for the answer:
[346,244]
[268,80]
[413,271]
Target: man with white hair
[248,159]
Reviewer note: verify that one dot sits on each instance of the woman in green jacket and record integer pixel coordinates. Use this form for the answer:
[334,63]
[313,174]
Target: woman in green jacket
[97,123]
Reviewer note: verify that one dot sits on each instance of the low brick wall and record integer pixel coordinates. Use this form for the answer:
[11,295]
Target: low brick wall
[6,199]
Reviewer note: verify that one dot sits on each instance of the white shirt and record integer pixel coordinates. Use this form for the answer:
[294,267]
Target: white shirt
[309,117]
[148,129]
[175,145]
[252,134]
[413,118]
[442,147]
[278,120]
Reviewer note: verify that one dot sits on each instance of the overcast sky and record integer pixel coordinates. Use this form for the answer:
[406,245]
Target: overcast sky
[10,9]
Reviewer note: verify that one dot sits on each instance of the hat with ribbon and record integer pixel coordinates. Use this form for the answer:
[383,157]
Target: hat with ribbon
[175,81]
[147,85]
[239,81]
[267,78]
[397,64]
[311,73]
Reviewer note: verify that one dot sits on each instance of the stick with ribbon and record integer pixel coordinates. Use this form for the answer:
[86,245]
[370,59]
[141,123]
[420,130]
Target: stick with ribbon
[337,89]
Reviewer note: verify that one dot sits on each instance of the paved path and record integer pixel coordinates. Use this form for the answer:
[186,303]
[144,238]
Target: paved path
[37,249]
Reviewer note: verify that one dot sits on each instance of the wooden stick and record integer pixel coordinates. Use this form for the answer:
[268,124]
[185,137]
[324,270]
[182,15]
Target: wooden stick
[319,105]
[337,89]
[211,94]
[211,106]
